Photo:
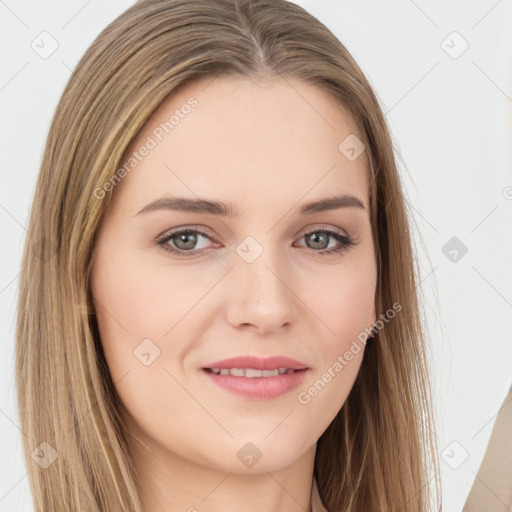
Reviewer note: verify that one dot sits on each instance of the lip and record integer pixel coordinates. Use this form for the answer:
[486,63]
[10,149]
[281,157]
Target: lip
[258,388]
[258,363]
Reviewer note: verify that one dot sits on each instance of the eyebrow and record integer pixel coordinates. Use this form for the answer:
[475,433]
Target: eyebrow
[210,207]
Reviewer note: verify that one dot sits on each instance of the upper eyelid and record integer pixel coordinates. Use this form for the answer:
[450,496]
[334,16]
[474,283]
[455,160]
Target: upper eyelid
[169,235]
[175,231]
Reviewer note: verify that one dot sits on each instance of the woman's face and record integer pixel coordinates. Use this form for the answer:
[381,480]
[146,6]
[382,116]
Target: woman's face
[253,281]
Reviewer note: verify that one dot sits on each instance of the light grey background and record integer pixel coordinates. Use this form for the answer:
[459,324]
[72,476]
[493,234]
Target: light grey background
[450,118]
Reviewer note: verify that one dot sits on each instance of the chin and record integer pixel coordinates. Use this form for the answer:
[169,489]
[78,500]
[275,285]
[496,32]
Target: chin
[254,455]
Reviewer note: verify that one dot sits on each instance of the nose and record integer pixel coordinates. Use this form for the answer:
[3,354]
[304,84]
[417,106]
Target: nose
[263,298]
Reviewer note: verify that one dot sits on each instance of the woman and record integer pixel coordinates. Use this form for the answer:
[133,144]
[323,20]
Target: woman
[223,310]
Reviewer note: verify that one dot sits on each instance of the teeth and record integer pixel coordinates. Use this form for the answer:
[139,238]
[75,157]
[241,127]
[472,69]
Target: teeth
[251,372]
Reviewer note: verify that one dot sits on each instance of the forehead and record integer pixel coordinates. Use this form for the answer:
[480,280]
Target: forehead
[225,137]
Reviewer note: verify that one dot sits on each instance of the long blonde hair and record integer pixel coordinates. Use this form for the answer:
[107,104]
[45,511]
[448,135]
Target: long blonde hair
[378,453]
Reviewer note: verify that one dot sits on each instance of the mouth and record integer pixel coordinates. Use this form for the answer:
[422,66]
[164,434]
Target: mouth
[253,372]
[256,384]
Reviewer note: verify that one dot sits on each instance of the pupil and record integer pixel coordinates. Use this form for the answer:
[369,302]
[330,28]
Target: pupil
[316,237]
[191,239]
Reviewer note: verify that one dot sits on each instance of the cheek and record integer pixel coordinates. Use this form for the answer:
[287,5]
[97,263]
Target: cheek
[134,302]
[134,310]
[142,315]
[344,301]
[123,298]
[344,305]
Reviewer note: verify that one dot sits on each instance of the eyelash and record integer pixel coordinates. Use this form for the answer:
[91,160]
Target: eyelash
[346,241]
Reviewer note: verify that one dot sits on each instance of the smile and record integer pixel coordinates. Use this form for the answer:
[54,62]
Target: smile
[250,372]
[253,384]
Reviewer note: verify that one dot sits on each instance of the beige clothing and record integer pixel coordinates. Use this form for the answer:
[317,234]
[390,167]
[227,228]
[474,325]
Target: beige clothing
[316,502]
[492,488]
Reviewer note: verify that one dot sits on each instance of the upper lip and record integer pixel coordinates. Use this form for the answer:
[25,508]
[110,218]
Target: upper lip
[258,363]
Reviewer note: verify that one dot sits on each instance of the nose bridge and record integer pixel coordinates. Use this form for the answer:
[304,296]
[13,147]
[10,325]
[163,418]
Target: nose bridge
[261,294]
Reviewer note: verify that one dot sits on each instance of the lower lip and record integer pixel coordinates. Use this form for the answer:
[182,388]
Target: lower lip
[258,388]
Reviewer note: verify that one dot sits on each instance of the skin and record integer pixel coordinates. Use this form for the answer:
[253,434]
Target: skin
[268,147]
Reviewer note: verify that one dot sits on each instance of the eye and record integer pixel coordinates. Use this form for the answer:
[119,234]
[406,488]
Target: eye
[319,239]
[184,242]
